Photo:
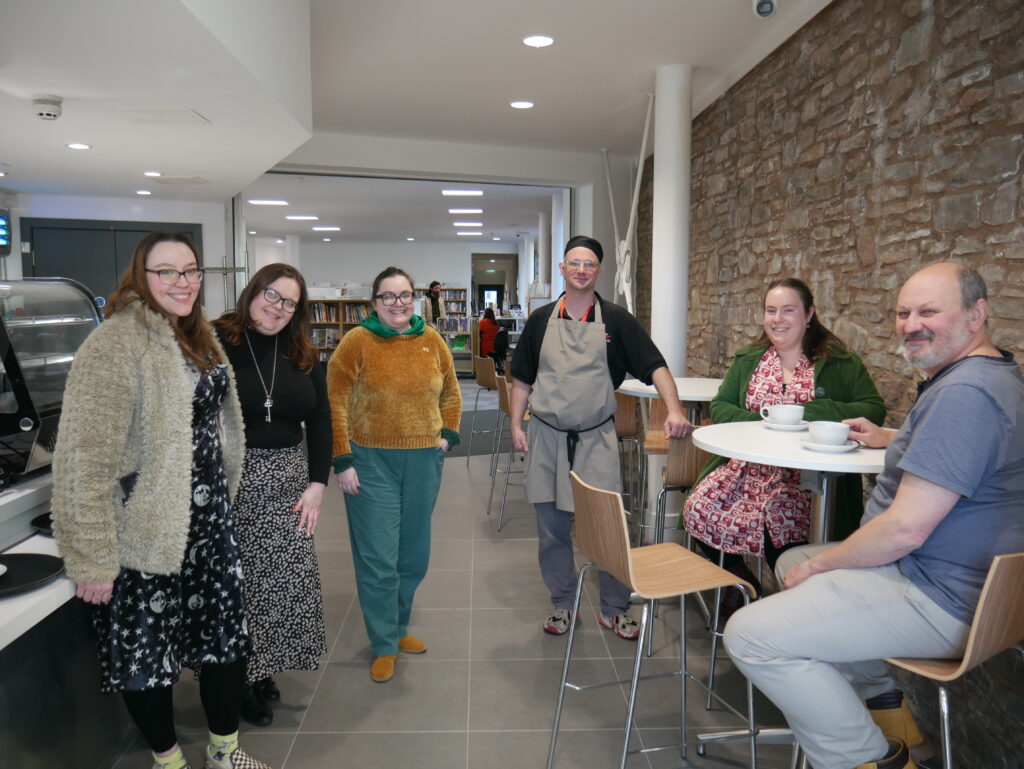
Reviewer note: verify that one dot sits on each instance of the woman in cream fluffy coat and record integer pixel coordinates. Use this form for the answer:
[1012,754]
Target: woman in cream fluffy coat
[149,452]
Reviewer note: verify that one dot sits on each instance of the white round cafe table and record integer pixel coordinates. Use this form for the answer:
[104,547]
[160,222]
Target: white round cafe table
[696,389]
[753,442]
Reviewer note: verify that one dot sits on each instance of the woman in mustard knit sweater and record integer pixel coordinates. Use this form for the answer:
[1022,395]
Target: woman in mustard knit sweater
[395,410]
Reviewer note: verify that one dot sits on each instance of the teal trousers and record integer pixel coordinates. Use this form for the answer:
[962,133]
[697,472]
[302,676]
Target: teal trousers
[389,528]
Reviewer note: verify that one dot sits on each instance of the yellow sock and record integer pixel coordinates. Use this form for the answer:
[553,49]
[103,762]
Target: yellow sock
[223,743]
[175,760]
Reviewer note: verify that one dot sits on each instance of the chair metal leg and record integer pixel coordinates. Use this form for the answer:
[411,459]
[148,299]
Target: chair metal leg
[565,664]
[496,443]
[494,469]
[645,618]
[472,428]
[947,746]
[682,677]
[504,491]
[712,663]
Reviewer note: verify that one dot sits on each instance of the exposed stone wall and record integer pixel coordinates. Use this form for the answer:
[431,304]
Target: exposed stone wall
[882,136]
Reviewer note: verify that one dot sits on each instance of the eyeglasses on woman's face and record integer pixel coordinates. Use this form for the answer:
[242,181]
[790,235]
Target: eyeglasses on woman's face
[169,277]
[388,299]
[288,305]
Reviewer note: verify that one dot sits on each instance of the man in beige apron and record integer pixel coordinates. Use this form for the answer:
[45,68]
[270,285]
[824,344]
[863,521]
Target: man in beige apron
[574,353]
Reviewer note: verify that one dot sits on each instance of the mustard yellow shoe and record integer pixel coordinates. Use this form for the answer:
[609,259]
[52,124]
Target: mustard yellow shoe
[411,645]
[898,724]
[899,760]
[383,668]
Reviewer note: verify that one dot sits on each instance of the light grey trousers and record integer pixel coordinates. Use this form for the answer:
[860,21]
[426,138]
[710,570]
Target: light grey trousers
[816,651]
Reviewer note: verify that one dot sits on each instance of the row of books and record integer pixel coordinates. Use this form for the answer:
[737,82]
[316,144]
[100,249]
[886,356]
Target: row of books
[356,312]
[453,323]
[321,312]
[326,337]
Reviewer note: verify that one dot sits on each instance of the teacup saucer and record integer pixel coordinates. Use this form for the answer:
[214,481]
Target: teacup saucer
[831,448]
[800,426]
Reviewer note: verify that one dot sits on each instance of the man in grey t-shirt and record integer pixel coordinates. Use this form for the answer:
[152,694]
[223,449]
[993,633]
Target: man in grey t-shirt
[906,584]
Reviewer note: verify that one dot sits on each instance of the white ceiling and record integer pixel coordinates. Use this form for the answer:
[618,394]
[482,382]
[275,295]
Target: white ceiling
[442,70]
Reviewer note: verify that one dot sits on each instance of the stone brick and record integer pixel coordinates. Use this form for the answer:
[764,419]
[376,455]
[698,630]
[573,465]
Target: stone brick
[914,44]
[1000,206]
[996,159]
[1009,85]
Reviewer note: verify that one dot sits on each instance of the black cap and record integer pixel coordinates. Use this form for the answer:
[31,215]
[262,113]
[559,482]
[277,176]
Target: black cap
[582,241]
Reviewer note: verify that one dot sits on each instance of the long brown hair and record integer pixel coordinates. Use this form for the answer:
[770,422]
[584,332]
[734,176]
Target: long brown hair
[194,334]
[817,339]
[233,323]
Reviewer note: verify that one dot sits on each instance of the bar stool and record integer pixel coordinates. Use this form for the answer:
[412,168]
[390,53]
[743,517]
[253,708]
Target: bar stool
[655,571]
[504,413]
[998,624]
[628,431]
[486,379]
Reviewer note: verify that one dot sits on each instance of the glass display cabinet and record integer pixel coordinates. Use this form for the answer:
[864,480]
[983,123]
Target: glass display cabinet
[42,324]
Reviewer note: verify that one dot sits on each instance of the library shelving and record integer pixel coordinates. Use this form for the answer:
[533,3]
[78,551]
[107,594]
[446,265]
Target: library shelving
[331,318]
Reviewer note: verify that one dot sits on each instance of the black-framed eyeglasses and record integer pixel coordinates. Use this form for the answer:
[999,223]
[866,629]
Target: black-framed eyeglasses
[389,299]
[169,277]
[273,297]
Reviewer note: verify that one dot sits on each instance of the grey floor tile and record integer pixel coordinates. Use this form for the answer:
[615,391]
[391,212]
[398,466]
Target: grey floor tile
[442,589]
[520,589]
[451,554]
[382,750]
[520,694]
[505,554]
[517,634]
[575,749]
[423,696]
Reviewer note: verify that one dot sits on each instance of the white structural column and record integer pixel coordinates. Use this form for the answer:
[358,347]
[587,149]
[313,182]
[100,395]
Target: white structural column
[670,249]
[543,246]
[670,257]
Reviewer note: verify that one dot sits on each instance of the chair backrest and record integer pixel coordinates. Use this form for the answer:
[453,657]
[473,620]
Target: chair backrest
[504,400]
[483,369]
[684,461]
[999,619]
[626,423]
[601,533]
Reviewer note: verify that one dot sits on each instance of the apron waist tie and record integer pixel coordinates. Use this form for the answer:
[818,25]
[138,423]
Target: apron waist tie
[572,437]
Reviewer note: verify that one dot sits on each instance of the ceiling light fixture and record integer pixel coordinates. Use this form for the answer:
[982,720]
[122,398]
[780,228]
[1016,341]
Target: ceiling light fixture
[469,233]
[410,239]
[492,261]
[3,172]
[303,218]
[462,193]
[143,192]
[327,240]
[467,224]
[268,202]
[79,146]
[495,237]
[521,104]
[538,41]
[152,173]
[326,229]
[465,210]
[279,241]
[252,232]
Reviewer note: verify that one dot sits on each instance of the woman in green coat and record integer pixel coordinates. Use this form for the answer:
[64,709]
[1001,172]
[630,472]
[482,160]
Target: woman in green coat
[743,508]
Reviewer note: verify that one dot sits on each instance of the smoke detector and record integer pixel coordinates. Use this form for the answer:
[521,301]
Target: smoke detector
[47,107]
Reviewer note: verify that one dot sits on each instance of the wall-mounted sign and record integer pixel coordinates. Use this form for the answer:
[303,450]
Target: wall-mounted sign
[5,232]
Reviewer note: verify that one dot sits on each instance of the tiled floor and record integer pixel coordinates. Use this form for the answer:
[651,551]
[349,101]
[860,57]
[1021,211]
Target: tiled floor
[484,694]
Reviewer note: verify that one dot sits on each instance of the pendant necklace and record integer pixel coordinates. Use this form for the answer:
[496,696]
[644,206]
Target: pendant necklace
[269,402]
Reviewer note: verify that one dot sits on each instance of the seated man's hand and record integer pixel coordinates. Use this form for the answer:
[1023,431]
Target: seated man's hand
[799,573]
[868,433]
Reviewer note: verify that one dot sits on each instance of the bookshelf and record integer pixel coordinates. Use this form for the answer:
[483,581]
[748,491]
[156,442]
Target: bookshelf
[329,319]
[456,327]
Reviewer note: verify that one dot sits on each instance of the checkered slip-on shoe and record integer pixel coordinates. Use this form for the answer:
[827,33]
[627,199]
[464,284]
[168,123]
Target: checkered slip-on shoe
[236,759]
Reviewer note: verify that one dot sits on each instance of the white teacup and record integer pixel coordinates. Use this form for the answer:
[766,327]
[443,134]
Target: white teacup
[829,433]
[783,413]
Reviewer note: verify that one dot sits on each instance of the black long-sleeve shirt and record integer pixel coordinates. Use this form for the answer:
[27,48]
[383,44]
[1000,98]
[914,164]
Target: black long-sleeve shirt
[298,398]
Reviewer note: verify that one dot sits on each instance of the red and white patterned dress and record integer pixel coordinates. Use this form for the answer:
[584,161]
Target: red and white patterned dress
[731,506]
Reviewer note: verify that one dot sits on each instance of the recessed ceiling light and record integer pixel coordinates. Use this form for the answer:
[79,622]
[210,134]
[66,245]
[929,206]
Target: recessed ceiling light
[521,104]
[279,240]
[326,229]
[465,210]
[467,224]
[462,193]
[495,238]
[268,202]
[151,173]
[3,172]
[143,192]
[469,233]
[303,218]
[252,232]
[492,261]
[79,146]
[327,240]
[410,239]
[538,41]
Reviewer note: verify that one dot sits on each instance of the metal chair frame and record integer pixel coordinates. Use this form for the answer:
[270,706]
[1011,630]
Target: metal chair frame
[486,379]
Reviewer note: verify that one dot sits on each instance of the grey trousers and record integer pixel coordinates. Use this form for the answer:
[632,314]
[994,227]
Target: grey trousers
[558,568]
[816,652]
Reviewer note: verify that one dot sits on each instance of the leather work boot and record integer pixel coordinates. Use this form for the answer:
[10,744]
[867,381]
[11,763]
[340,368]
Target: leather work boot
[899,760]
[898,724]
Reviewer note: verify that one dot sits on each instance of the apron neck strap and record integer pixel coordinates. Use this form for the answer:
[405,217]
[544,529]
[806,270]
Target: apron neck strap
[562,313]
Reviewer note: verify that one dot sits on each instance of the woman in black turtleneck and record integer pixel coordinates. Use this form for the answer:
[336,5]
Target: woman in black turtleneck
[281,386]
